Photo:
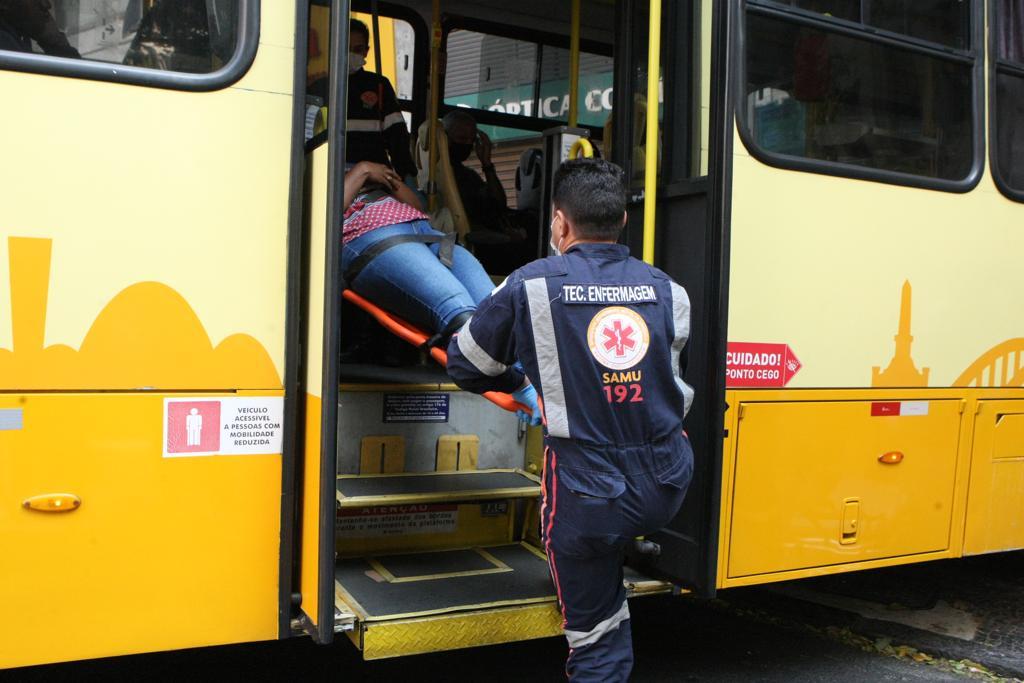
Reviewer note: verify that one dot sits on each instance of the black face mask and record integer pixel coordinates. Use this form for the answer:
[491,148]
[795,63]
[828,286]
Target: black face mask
[459,151]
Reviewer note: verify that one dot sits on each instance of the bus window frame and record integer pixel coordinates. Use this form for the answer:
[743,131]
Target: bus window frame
[451,22]
[972,57]
[229,74]
[997,66]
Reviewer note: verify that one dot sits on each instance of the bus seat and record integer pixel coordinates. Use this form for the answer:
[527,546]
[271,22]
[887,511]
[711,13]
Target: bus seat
[448,192]
[528,179]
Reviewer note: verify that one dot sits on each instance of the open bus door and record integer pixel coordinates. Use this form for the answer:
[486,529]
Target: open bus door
[325,170]
[680,172]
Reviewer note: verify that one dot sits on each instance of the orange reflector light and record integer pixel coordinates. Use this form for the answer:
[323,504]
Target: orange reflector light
[53,502]
[891,458]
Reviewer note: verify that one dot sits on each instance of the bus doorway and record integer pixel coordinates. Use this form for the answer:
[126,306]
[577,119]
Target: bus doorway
[427,524]
[677,183]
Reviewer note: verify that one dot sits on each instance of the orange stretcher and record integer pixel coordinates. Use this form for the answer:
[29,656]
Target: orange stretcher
[417,337]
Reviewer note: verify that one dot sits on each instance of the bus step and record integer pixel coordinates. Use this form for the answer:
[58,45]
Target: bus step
[358,490]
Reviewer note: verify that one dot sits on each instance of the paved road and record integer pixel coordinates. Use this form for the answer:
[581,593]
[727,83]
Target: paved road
[677,639]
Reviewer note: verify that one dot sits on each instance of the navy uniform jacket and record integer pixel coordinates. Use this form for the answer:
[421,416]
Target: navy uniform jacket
[600,335]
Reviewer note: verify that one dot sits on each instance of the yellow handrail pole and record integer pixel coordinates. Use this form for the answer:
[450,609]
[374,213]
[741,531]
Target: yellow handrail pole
[574,63]
[435,99]
[651,148]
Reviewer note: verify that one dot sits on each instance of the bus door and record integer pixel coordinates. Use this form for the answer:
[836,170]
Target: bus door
[685,240]
[324,196]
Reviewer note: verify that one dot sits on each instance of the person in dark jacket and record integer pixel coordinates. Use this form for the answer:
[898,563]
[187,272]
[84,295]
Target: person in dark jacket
[600,336]
[376,127]
[22,21]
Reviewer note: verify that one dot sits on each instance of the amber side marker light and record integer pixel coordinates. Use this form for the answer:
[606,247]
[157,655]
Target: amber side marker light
[891,458]
[53,502]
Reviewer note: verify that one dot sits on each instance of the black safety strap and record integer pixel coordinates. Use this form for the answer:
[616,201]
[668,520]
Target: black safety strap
[377,248]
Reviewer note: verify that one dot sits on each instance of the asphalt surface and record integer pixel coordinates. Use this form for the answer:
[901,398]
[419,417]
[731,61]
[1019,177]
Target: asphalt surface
[676,639]
[954,620]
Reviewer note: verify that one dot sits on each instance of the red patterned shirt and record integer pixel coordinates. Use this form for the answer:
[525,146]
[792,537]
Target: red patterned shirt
[367,214]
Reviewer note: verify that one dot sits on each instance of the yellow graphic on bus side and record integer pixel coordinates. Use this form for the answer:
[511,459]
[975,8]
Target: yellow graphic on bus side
[1000,366]
[146,337]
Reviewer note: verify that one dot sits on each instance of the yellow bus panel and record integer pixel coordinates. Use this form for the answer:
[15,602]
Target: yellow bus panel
[827,483]
[995,508]
[160,553]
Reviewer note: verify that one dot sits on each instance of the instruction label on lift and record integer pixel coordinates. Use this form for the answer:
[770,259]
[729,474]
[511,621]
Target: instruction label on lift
[416,407]
[251,425]
[397,520]
[759,365]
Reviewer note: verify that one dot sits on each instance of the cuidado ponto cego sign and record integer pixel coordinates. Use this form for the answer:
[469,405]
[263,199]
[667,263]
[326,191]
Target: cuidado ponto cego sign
[759,365]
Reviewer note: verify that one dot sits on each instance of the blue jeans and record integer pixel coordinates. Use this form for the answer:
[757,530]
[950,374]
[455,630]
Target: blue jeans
[409,280]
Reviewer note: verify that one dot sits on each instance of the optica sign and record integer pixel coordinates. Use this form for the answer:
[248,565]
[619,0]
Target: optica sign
[753,364]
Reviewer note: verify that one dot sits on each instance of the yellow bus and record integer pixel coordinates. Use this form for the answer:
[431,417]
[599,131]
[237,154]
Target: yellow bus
[185,460]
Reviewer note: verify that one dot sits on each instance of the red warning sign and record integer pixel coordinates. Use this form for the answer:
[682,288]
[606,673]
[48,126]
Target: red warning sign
[749,364]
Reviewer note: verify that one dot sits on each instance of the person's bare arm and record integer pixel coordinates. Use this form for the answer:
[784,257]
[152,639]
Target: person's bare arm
[404,194]
[368,172]
[354,181]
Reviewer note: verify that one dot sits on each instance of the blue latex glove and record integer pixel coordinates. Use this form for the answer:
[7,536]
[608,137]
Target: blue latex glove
[527,395]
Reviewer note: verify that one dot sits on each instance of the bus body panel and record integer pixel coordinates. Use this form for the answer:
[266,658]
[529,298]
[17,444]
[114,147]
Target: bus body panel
[143,252]
[188,190]
[899,299]
[162,553]
[995,512]
[819,263]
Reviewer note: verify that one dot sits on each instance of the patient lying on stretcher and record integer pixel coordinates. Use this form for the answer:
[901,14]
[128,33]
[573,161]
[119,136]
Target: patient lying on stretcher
[392,256]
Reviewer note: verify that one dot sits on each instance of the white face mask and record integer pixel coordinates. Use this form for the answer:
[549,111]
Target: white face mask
[552,243]
[355,62]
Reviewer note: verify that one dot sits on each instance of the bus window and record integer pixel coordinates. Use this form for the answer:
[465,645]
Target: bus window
[1008,106]
[191,36]
[524,78]
[595,91]
[937,21]
[848,102]
[491,72]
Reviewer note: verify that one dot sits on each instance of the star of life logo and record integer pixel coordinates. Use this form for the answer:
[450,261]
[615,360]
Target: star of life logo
[618,337]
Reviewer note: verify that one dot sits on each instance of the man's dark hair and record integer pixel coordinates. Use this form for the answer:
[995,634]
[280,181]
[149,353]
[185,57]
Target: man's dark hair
[356,26]
[591,192]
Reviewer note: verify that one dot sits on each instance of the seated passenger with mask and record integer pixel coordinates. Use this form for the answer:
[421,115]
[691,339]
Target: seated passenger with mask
[484,198]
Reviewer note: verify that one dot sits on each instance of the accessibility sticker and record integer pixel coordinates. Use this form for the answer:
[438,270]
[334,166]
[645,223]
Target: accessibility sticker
[251,425]
[759,365]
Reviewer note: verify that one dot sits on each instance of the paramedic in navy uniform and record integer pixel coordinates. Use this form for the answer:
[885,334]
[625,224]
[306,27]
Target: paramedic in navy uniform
[599,335]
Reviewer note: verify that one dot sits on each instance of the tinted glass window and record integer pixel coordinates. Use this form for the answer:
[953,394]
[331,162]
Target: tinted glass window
[491,72]
[1008,139]
[1009,30]
[840,9]
[939,21]
[524,78]
[1010,129]
[825,96]
[194,36]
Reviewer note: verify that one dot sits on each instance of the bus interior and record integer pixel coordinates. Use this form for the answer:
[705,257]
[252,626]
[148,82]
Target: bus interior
[438,490]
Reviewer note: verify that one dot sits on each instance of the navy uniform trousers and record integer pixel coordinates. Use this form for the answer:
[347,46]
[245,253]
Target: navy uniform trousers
[600,336]
[596,502]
